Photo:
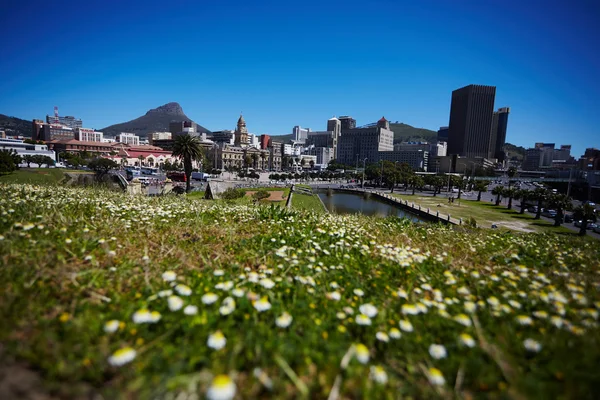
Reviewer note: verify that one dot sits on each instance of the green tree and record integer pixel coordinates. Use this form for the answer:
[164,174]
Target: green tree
[416,182]
[7,162]
[498,191]
[101,166]
[438,183]
[312,164]
[559,202]
[232,194]
[540,195]
[188,149]
[523,196]
[254,160]
[480,186]
[584,213]
[28,158]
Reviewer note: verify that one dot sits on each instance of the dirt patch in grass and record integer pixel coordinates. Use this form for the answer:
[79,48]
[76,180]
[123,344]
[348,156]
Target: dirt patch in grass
[274,195]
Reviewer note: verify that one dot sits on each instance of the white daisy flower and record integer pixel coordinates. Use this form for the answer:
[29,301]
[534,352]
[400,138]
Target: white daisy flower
[467,340]
[335,296]
[515,304]
[362,353]
[557,321]
[228,306]
[175,303]
[470,307]
[334,285]
[409,309]
[406,326]
[382,336]
[237,292]
[209,298]
[524,320]
[532,345]
[226,286]
[340,315]
[378,374]
[218,272]
[165,293]
[362,319]
[169,276]
[540,314]
[221,388]
[183,290]
[359,292]
[190,310]
[437,351]
[122,357]
[463,319]
[267,283]
[368,309]
[111,326]
[395,333]
[402,294]
[262,304]
[216,340]
[435,377]
[144,316]
[284,320]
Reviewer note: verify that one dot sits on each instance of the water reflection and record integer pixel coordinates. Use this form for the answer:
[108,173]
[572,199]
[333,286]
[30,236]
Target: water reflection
[351,203]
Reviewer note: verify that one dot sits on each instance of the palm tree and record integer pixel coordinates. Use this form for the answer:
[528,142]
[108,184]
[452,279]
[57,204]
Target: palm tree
[510,193]
[438,183]
[188,148]
[263,157]
[560,203]
[522,195]
[498,191]
[480,186]
[539,194]
[141,158]
[584,213]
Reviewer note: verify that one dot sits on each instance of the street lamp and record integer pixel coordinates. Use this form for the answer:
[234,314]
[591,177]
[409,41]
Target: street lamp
[364,167]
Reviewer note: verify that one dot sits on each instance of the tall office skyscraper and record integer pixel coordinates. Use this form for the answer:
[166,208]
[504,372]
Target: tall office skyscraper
[499,125]
[470,128]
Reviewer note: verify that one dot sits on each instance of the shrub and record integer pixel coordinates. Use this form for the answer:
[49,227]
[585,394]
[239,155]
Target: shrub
[232,194]
[261,194]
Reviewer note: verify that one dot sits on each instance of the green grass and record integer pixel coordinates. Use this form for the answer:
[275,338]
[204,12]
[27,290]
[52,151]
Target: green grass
[301,201]
[485,213]
[196,194]
[74,259]
[35,176]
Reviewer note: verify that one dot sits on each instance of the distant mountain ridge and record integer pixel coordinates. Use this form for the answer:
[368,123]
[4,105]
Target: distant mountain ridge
[155,120]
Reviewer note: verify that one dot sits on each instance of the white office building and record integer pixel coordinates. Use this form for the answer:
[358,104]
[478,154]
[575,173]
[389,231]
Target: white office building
[128,138]
[24,149]
[88,135]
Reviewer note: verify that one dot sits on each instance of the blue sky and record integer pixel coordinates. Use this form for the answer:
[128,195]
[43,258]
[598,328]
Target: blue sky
[298,63]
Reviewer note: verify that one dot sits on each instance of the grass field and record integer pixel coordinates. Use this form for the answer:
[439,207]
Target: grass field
[485,213]
[107,295]
[36,175]
[301,201]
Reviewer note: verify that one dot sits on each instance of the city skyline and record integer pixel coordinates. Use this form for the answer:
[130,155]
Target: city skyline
[217,60]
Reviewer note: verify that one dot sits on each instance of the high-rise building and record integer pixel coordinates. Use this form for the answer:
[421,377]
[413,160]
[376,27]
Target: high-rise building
[499,125]
[56,132]
[562,154]
[470,127]
[335,125]
[68,121]
[300,134]
[346,123]
[264,141]
[38,129]
[360,143]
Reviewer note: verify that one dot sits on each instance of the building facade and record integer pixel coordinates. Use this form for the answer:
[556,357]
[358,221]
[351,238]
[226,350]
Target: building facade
[26,149]
[300,134]
[241,133]
[442,134]
[417,159]
[88,135]
[67,121]
[499,126]
[56,132]
[346,123]
[128,138]
[360,143]
[470,127]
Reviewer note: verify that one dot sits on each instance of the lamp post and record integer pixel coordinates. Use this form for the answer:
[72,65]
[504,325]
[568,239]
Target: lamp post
[364,167]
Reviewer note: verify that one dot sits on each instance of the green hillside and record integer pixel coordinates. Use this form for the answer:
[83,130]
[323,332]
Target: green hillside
[14,126]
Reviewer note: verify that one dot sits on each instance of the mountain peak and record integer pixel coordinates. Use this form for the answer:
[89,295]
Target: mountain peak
[172,108]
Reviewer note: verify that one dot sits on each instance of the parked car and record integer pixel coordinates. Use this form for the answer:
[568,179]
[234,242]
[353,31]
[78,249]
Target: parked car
[549,213]
[590,224]
[568,217]
[532,209]
[596,228]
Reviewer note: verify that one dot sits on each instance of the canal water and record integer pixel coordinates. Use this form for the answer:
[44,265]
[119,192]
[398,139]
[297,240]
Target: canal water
[355,203]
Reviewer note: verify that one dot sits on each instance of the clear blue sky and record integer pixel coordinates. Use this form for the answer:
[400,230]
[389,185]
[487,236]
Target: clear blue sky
[289,63]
